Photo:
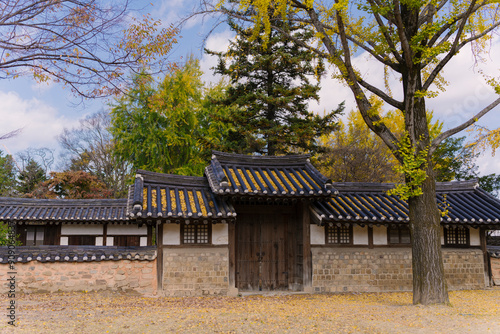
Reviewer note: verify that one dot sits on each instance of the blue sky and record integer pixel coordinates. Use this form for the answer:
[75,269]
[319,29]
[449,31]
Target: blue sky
[43,110]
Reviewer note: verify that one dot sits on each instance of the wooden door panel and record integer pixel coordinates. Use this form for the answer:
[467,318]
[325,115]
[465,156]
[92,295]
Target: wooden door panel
[262,258]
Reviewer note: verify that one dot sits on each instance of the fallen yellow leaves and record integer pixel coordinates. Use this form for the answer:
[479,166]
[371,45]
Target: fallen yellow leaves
[105,312]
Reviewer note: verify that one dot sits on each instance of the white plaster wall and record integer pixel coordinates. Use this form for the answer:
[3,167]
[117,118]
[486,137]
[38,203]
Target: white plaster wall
[127,230]
[317,235]
[99,241]
[64,241]
[379,235]
[85,229]
[442,235]
[359,235]
[171,234]
[220,234]
[110,241]
[475,238]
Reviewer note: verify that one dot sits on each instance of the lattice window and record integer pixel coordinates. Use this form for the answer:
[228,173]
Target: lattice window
[398,235]
[339,235]
[195,234]
[456,236]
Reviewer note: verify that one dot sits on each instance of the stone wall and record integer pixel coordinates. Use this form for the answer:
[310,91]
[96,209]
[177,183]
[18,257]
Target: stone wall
[388,269]
[195,271]
[495,270]
[126,275]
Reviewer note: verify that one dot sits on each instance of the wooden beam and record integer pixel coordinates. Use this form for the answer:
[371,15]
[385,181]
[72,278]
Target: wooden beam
[306,251]
[232,255]
[159,256]
[104,234]
[486,257]
[370,236]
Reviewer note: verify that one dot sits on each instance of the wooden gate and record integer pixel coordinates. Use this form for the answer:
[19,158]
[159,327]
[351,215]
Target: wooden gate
[266,253]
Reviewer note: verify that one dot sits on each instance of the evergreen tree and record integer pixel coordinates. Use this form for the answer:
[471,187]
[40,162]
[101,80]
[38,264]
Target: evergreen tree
[30,177]
[7,175]
[271,89]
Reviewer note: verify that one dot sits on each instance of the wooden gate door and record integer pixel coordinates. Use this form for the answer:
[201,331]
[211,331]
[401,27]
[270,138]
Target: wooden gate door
[262,262]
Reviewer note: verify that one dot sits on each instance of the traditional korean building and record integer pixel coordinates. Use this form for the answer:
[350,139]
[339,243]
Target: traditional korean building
[252,223]
[275,223]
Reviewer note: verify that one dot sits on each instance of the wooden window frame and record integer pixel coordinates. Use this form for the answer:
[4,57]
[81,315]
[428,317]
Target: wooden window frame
[51,233]
[399,228]
[196,234]
[127,237]
[72,237]
[329,228]
[454,230]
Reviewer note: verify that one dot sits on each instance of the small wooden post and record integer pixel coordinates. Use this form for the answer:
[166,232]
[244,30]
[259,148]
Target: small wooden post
[486,257]
[307,256]
[159,256]
[370,237]
[105,234]
[232,259]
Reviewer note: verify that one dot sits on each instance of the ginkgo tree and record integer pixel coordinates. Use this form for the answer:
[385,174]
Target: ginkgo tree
[89,45]
[414,40]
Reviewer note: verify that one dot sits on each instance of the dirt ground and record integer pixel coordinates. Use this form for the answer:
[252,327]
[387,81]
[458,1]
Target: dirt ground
[106,312]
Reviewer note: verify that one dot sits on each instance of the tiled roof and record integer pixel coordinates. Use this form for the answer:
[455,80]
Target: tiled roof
[494,251]
[368,203]
[156,195]
[25,254]
[264,176]
[57,210]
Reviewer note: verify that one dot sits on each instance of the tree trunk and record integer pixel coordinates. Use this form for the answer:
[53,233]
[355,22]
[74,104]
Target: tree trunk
[429,284]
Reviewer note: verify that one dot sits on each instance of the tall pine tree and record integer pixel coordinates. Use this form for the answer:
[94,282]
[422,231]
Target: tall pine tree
[271,85]
[30,177]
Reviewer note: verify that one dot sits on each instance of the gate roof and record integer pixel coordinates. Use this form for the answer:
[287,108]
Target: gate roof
[290,176]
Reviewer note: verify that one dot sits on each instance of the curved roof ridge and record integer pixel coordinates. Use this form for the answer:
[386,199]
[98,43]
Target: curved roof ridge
[381,186]
[260,159]
[62,201]
[172,179]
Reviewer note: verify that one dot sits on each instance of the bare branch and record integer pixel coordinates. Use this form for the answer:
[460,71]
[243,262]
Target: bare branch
[384,30]
[393,102]
[435,143]
[85,44]
[11,134]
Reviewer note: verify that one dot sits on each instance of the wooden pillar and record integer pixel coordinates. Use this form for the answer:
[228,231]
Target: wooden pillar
[306,251]
[150,235]
[370,237]
[233,291]
[486,256]
[159,256]
[104,234]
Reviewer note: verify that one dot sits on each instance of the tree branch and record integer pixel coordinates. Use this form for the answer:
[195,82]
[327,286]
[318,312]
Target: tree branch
[435,143]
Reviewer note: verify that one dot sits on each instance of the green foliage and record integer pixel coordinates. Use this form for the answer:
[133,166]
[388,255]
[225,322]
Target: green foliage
[7,175]
[30,177]
[413,169]
[154,127]
[453,160]
[6,237]
[214,132]
[271,88]
[490,183]
[172,128]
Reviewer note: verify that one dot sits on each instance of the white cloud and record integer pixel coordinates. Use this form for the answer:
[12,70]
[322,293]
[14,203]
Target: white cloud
[466,94]
[218,42]
[41,123]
